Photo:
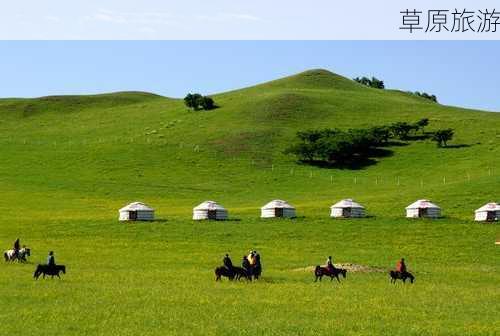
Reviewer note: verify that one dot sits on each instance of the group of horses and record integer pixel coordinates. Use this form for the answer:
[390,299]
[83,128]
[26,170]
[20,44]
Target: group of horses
[250,273]
[253,272]
[41,270]
[334,273]
[237,273]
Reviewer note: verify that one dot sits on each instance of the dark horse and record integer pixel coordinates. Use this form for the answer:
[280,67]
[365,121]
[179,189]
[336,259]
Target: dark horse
[319,272]
[49,270]
[223,272]
[240,272]
[395,275]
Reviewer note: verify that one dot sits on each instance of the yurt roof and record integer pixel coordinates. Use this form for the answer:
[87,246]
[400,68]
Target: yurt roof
[209,205]
[277,204]
[135,206]
[423,204]
[347,203]
[489,207]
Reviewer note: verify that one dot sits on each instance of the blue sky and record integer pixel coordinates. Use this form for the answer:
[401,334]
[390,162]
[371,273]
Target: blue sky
[461,73]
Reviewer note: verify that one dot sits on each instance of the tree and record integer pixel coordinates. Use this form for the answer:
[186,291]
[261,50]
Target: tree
[422,123]
[377,83]
[442,137]
[373,82]
[401,130]
[207,103]
[193,101]
[196,102]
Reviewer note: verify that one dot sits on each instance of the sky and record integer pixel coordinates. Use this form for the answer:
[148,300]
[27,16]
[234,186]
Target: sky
[225,19]
[459,73]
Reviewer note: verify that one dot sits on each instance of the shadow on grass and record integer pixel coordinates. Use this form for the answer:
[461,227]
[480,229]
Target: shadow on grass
[457,146]
[356,163]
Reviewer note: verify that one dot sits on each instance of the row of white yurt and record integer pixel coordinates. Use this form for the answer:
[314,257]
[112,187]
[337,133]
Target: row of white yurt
[346,208]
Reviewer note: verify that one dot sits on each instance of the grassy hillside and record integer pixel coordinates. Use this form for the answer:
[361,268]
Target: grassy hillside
[69,162]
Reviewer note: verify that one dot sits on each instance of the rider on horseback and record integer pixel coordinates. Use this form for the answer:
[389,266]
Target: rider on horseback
[245,264]
[227,262]
[51,262]
[401,266]
[16,248]
[329,263]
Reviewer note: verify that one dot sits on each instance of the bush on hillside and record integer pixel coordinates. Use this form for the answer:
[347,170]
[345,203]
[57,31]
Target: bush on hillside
[441,137]
[373,82]
[327,146]
[425,95]
[198,102]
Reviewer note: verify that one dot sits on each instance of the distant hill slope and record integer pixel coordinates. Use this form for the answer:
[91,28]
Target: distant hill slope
[126,146]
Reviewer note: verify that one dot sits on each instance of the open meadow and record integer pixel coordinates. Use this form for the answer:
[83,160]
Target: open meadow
[70,162]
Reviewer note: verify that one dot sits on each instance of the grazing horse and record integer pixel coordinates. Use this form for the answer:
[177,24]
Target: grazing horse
[10,255]
[222,271]
[319,272]
[395,275]
[49,270]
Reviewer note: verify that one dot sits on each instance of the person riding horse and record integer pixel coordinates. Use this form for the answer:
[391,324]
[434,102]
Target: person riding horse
[227,262]
[51,261]
[245,264]
[401,266]
[329,263]
[16,248]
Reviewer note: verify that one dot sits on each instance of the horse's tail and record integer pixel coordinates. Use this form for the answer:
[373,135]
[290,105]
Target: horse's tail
[6,256]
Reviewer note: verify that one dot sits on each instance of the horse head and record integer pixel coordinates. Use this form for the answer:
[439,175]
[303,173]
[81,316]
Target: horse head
[63,269]
[343,272]
[27,250]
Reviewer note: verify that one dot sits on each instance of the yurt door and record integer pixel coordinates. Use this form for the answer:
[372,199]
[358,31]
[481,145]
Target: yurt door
[346,212]
[278,212]
[422,212]
[212,214]
[132,215]
[490,216]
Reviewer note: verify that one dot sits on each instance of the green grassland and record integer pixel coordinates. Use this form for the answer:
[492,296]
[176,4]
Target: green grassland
[69,162]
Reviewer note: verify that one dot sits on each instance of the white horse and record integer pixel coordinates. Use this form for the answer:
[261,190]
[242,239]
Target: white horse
[10,255]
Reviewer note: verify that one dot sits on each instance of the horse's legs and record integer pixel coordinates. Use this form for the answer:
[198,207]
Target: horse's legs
[58,276]
[337,276]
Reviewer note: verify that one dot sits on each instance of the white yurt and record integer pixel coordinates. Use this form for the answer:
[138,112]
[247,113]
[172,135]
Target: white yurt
[488,213]
[136,211]
[277,208]
[423,209]
[347,208]
[209,210]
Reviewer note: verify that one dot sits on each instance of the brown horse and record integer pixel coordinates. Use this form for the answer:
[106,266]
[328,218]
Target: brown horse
[319,272]
[395,275]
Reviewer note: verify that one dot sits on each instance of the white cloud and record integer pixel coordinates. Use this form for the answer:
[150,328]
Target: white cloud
[144,18]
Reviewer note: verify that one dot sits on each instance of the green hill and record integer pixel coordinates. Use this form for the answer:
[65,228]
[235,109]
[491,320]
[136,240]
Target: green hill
[69,162]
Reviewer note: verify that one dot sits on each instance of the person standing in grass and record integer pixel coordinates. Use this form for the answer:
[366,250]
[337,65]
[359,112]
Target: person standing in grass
[51,261]
[401,266]
[227,262]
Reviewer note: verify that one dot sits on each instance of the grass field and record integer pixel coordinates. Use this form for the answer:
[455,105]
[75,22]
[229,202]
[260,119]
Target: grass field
[70,162]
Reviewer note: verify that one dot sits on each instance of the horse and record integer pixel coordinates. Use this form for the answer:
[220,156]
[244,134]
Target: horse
[319,272]
[49,270]
[10,255]
[395,275]
[240,272]
[223,271]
